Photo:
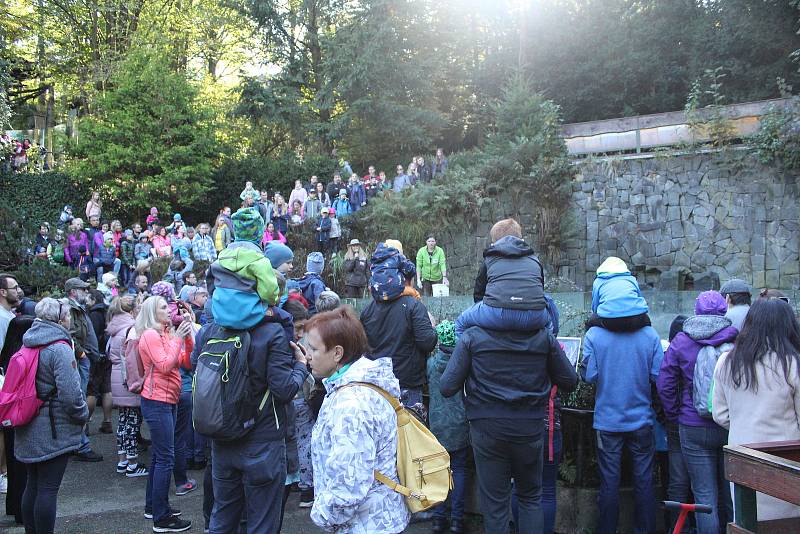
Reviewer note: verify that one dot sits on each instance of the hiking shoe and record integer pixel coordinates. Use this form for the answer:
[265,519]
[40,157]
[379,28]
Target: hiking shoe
[90,456]
[122,467]
[136,471]
[183,489]
[307,498]
[173,512]
[105,427]
[172,524]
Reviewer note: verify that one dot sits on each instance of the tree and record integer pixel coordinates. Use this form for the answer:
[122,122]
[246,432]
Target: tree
[149,141]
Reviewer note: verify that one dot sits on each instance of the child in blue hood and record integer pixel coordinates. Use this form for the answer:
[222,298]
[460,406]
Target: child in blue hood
[311,283]
[509,290]
[617,301]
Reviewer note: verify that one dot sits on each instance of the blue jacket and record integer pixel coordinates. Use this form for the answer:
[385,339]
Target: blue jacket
[507,374]
[622,364]
[617,295]
[447,418]
[324,224]
[105,255]
[342,207]
[311,285]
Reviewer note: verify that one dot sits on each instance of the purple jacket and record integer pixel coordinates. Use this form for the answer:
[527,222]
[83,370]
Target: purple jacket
[677,369]
[73,244]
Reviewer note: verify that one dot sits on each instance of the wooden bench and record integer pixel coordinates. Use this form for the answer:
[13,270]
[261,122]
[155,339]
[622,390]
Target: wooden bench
[769,468]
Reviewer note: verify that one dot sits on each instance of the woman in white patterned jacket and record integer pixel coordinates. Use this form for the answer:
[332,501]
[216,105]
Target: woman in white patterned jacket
[355,433]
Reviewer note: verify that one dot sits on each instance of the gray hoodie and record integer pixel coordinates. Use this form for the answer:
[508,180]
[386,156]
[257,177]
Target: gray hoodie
[57,370]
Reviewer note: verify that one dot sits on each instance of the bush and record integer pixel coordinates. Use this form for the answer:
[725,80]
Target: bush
[41,279]
[37,197]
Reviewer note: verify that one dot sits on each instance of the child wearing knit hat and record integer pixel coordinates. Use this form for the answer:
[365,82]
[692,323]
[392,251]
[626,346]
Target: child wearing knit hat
[448,422]
[311,283]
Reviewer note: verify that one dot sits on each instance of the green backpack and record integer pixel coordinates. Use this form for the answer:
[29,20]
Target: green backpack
[58,255]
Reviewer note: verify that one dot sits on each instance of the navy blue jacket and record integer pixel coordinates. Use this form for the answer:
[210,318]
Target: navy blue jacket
[272,365]
[311,285]
[507,374]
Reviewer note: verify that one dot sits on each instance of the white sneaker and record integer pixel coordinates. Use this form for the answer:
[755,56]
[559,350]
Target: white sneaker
[3,483]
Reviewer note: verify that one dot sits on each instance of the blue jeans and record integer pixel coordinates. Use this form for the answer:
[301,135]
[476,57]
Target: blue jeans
[160,417]
[702,450]
[641,446]
[678,488]
[248,476]
[198,444]
[84,371]
[549,480]
[485,316]
[303,425]
[458,464]
[41,494]
[183,427]
[496,463]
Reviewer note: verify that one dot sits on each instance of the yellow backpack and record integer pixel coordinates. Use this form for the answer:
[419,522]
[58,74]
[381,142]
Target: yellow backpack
[423,465]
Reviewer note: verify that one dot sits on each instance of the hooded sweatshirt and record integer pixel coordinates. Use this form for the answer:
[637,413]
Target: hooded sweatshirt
[355,435]
[56,371]
[615,292]
[511,276]
[675,380]
[244,286]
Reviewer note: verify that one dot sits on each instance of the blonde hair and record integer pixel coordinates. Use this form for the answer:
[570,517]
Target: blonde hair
[394,243]
[147,320]
[120,305]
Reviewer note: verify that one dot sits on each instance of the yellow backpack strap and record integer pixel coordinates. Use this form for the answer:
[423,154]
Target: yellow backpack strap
[380,477]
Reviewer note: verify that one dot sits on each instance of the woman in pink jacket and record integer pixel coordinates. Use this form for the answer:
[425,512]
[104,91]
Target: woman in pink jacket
[125,380]
[162,349]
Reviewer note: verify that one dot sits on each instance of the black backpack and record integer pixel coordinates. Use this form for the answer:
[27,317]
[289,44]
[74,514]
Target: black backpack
[225,407]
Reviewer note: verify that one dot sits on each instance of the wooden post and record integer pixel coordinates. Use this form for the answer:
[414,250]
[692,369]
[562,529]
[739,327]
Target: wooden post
[744,506]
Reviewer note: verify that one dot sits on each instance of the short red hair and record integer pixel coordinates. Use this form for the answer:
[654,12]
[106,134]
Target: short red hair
[504,228]
[340,327]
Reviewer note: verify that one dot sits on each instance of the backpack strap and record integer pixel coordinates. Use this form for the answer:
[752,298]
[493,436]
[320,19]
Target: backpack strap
[398,407]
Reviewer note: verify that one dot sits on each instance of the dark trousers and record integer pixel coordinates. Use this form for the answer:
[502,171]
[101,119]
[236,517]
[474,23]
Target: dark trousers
[183,427]
[496,463]
[353,292]
[160,417]
[458,464]
[17,477]
[427,287]
[249,476]
[41,494]
[641,446]
[549,480]
[678,486]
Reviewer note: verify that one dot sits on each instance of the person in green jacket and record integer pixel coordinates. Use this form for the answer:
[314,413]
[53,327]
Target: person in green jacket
[431,267]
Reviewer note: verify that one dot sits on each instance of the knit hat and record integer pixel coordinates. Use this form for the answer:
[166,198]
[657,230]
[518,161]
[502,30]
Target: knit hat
[153,211]
[446,331]
[128,233]
[277,253]
[248,225]
[613,265]
[710,303]
[315,263]
[176,217]
[108,236]
[342,192]
[163,289]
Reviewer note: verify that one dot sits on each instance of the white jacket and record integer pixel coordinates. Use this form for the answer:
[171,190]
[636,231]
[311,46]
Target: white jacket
[771,414]
[355,434]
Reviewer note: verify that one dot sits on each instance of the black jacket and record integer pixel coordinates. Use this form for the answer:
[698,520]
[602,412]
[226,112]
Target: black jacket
[507,374]
[401,330]
[271,365]
[357,272]
[510,276]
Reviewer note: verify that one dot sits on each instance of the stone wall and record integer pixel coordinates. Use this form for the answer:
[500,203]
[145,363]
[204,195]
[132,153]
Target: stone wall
[679,221]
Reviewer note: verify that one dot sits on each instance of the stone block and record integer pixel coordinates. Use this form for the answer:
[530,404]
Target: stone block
[637,200]
[773,278]
[706,281]
[663,247]
[759,278]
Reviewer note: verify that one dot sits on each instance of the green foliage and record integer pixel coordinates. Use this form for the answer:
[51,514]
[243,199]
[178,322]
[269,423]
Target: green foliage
[704,107]
[40,278]
[778,137]
[38,197]
[149,143]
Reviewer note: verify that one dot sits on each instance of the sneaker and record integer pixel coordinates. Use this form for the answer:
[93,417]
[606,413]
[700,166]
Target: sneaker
[136,471]
[3,483]
[173,512]
[90,456]
[122,467]
[172,524]
[183,489]
[307,498]
[105,427]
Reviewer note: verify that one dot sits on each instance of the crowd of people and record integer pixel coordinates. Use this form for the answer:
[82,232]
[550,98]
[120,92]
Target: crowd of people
[19,155]
[252,378]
